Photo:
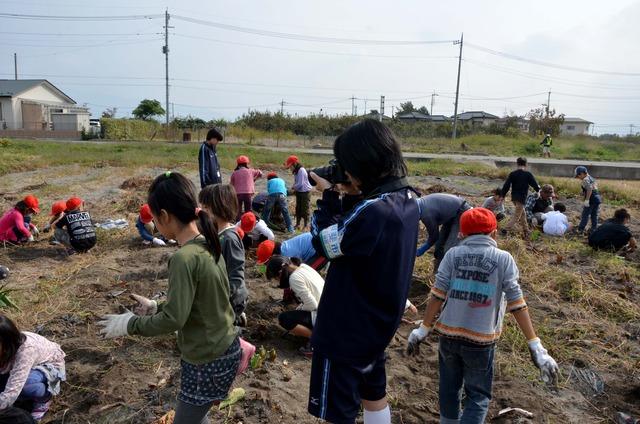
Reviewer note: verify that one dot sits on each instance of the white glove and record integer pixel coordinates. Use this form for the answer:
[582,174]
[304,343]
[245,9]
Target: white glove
[158,242]
[410,307]
[35,231]
[547,365]
[145,306]
[416,337]
[31,238]
[586,203]
[115,325]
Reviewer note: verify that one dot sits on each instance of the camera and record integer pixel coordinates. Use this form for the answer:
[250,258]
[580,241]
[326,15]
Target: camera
[332,173]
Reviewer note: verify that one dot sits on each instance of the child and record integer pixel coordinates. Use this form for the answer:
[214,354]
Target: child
[299,246]
[556,222]
[146,227]
[370,236]
[31,368]
[197,305]
[16,226]
[306,285]
[591,197]
[255,230]
[537,204]
[518,182]
[614,234]
[495,204]
[277,195]
[219,201]
[82,234]
[476,283]
[302,189]
[60,236]
[242,180]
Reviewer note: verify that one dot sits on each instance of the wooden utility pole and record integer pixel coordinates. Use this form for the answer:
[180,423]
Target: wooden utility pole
[455,110]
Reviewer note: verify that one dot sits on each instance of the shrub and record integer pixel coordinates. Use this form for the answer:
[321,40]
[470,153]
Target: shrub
[129,129]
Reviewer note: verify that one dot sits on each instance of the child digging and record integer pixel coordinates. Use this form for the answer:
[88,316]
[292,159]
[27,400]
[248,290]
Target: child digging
[31,368]
[197,304]
[147,229]
[243,181]
[60,236]
[218,200]
[82,234]
[476,283]
[495,204]
[302,189]
[15,224]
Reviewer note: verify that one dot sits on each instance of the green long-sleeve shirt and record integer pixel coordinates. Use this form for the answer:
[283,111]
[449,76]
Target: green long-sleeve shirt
[197,305]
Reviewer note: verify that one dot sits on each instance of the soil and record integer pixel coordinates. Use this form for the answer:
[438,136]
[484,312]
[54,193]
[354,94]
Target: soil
[135,380]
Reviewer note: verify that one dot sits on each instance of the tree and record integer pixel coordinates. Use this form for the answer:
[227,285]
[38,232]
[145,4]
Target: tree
[406,107]
[423,110]
[110,112]
[541,122]
[147,109]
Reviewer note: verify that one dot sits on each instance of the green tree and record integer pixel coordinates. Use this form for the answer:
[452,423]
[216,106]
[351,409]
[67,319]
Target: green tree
[406,107]
[423,110]
[541,123]
[147,109]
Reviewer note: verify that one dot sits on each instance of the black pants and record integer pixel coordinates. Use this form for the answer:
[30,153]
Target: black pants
[289,319]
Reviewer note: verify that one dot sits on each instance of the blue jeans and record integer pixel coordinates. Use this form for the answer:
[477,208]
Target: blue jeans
[281,200]
[464,365]
[35,388]
[592,211]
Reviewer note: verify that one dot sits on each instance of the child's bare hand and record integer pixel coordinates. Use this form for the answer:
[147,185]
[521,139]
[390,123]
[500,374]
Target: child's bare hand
[145,306]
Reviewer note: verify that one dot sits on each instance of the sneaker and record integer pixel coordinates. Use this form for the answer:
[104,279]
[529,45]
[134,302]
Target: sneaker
[306,350]
[146,243]
[172,241]
[40,409]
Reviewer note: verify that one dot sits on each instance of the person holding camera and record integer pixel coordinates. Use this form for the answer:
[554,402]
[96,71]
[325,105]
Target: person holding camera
[370,235]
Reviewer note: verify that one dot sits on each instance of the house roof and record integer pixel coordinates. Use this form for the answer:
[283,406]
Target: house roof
[475,114]
[438,118]
[13,88]
[412,115]
[577,121]
[375,116]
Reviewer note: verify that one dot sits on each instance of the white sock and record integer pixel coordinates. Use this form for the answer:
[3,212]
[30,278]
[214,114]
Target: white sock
[378,417]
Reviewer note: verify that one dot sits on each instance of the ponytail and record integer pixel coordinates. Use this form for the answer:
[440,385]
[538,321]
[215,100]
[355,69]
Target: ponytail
[296,261]
[209,230]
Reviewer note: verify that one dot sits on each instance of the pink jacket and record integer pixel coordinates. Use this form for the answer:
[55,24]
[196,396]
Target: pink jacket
[243,180]
[10,220]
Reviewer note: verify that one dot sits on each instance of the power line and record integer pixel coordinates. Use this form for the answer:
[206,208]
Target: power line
[302,37]
[77,34]
[78,18]
[551,65]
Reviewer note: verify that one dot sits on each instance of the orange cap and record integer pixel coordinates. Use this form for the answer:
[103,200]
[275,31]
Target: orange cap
[248,221]
[32,203]
[242,159]
[74,203]
[477,221]
[291,160]
[58,207]
[272,175]
[265,250]
[145,214]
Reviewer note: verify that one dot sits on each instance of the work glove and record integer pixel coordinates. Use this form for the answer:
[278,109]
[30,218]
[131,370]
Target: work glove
[416,337]
[47,228]
[421,250]
[145,306]
[115,325]
[35,231]
[547,365]
[158,242]
[586,203]
[31,238]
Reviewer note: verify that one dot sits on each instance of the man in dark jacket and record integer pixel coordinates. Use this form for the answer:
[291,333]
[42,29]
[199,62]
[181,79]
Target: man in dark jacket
[208,160]
[518,182]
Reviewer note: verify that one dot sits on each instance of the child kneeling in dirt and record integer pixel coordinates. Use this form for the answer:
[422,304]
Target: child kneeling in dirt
[277,190]
[255,230]
[495,204]
[82,234]
[306,285]
[147,229]
[60,236]
[556,223]
[219,201]
[31,368]
[16,226]
[197,305]
[478,282]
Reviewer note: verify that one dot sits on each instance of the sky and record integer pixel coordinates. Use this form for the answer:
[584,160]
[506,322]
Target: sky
[326,55]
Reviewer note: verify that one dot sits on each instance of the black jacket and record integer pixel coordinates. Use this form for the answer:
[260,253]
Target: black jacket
[208,166]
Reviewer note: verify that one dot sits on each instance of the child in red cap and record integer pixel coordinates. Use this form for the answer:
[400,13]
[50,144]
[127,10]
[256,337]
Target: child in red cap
[60,236]
[15,225]
[255,230]
[77,222]
[479,282]
[243,181]
[147,229]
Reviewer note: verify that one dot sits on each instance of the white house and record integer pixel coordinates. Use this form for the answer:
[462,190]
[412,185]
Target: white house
[575,126]
[39,105]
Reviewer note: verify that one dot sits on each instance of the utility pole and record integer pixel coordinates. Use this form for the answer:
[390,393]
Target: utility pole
[381,107]
[630,129]
[548,102]
[15,65]
[165,50]
[455,111]
[432,99]
[282,107]
[365,106]
[393,112]
[353,110]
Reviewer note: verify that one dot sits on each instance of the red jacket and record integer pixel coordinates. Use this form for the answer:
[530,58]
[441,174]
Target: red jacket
[10,220]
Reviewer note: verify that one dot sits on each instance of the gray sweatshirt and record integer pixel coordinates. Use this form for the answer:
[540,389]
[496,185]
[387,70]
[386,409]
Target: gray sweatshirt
[435,210]
[233,253]
[478,282]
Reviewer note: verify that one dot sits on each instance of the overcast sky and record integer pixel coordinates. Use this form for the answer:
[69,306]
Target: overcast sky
[221,73]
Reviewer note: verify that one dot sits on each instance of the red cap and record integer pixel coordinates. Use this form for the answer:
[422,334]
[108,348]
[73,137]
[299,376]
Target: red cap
[242,159]
[247,221]
[145,214]
[32,203]
[291,160]
[240,232]
[477,221]
[272,175]
[74,203]
[265,250]
[58,207]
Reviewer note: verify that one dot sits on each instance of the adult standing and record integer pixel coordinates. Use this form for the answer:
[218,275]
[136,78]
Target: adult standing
[518,182]
[208,159]
[546,144]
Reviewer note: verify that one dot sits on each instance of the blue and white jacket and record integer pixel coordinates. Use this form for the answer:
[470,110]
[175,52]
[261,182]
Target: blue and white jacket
[208,166]
[372,246]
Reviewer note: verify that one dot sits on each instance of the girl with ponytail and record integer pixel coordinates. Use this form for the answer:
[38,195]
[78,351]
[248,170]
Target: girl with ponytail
[197,304]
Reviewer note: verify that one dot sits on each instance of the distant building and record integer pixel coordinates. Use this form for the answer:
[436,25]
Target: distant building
[374,114]
[421,117]
[476,118]
[521,123]
[575,126]
[39,105]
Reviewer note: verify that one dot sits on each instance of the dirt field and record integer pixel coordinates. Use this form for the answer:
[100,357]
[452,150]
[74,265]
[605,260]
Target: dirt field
[584,305]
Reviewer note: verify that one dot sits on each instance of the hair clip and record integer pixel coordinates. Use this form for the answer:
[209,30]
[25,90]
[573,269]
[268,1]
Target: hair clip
[167,174]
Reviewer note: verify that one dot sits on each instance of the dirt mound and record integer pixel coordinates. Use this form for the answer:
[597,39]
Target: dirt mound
[137,183]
